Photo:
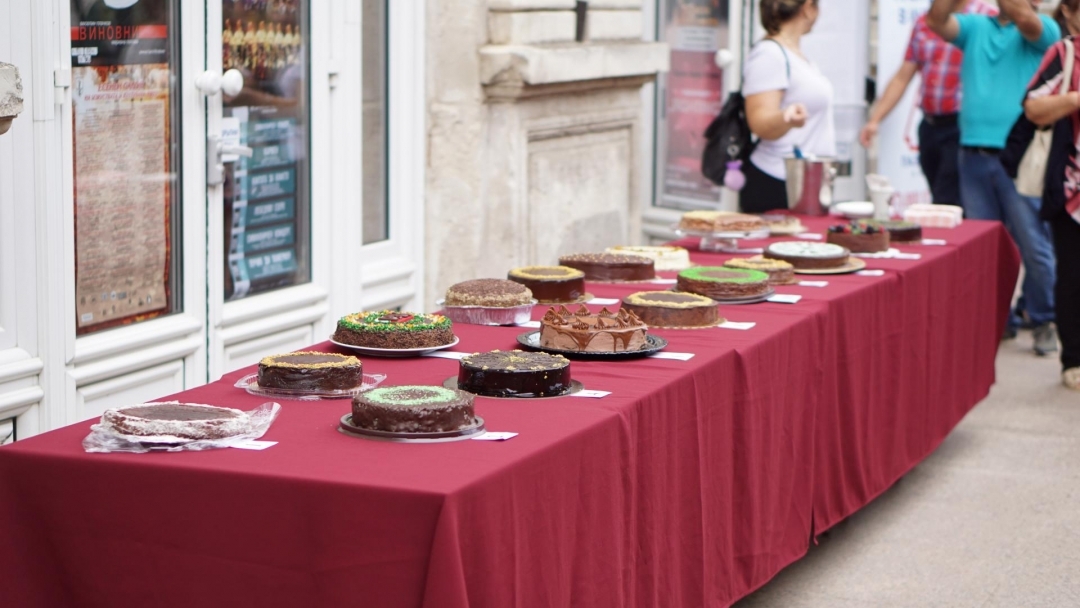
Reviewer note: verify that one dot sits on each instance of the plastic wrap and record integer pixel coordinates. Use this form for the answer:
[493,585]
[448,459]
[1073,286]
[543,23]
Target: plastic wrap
[488,315]
[250,383]
[104,440]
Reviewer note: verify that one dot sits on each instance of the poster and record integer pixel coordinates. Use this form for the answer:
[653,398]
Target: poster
[898,137]
[124,175]
[693,92]
[266,202]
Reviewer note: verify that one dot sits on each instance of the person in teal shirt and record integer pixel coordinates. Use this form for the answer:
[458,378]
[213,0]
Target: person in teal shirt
[1001,55]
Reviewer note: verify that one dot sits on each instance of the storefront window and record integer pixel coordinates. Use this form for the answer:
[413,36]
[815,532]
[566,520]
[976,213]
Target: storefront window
[688,98]
[126,138]
[376,212]
[267,196]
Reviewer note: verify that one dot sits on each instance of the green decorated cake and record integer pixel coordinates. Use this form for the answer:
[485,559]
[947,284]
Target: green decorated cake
[720,283]
[394,330]
[413,409]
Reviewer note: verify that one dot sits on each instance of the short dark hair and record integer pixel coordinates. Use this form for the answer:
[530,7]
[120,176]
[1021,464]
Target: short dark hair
[775,13]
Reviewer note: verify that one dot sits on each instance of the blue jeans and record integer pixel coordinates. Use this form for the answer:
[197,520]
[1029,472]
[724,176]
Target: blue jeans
[987,193]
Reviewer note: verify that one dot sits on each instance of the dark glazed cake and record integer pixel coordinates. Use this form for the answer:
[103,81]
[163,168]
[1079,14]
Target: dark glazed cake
[611,266]
[514,373]
[394,330]
[193,421]
[413,409]
[496,293]
[899,232]
[583,331]
[721,283]
[672,309]
[551,284]
[313,371]
[859,237]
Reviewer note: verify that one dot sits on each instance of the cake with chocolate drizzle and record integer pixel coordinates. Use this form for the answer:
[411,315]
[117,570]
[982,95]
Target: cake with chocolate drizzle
[413,409]
[514,373]
[672,309]
[583,331]
[312,371]
[394,330]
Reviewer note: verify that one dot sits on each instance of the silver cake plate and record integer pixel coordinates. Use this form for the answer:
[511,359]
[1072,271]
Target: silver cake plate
[575,386]
[723,242]
[346,427]
[393,352]
[250,383]
[653,344]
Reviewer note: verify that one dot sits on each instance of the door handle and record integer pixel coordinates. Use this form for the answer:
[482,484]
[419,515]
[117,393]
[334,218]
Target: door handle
[212,82]
[215,158]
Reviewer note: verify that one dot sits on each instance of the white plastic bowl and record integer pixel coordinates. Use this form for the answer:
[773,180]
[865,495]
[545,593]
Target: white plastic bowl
[854,209]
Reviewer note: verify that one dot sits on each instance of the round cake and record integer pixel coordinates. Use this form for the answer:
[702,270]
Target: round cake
[859,237]
[394,330]
[193,421]
[611,266]
[720,221]
[583,331]
[413,409]
[313,371]
[808,254]
[899,232]
[514,373]
[780,272]
[721,283]
[495,293]
[664,257]
[672,309]
[551,284]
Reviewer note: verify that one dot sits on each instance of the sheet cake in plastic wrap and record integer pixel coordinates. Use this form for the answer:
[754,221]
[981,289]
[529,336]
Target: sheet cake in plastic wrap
[934,216]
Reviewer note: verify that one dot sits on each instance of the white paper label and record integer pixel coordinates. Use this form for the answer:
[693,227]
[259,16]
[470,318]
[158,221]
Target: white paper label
[447,354]
[495,436]
[529,324]
[785,298]
[813,283]
[871,273]
[663,281]
[809,236]
[900,255]
[603,301]
[735,325]
[254,444]
[666,355]
[230,136]
[933,242]
[592,394]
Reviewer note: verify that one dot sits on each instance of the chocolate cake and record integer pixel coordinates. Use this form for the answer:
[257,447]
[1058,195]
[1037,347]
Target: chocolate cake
[721,283]
[413,409]
[514,373]
[611,266]
[664,257]
[780,272]
[808,254]
[899,232]
[495,293]
[672,309]
[551,284]
[192,421]
[584,331]
[859,237]
[312,371]
[394,330]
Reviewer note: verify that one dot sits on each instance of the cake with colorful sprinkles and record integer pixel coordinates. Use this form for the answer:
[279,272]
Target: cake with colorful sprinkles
[551,284]
[514,373]
[583,331]
[394,330]
[779,271]
[672,309]
[308,370]
[413,409]
[721,283]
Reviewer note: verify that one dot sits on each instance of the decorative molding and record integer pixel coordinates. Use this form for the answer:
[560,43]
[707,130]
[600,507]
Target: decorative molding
[16,364]
[507,68]
[129,360]
[16,403]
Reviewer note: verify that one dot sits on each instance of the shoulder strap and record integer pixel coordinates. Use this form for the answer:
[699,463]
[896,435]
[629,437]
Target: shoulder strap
[1067,66]
[787,62]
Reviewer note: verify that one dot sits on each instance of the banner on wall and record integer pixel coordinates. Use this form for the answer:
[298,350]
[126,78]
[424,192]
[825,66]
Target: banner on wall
[898,137]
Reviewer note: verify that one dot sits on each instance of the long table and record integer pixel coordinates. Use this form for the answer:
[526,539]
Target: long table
[691,484]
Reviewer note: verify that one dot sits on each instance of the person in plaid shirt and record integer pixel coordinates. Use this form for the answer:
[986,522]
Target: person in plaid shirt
[938,64]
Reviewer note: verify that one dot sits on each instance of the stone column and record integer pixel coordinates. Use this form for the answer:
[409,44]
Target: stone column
[536,153]
[11,99]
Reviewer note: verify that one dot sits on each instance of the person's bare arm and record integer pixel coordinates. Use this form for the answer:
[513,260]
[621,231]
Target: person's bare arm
[1047,110]
[768,120]
[892,95]
[941,20]
[1025,18]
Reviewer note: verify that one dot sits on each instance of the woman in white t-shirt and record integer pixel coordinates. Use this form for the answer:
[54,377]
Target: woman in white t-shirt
[788,103]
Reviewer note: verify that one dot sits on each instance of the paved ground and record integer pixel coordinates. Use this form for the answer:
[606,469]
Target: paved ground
[991,519]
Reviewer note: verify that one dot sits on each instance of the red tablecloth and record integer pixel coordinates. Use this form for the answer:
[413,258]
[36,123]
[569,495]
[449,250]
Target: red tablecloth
[692,484]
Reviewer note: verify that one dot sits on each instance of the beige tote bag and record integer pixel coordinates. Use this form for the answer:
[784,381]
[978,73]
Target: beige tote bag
[1031,172]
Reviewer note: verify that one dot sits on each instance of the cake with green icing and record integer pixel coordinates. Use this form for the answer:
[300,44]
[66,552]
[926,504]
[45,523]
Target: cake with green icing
[413,409]
[721,283]
[394,330]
